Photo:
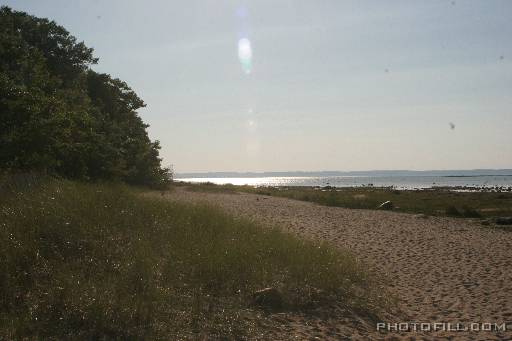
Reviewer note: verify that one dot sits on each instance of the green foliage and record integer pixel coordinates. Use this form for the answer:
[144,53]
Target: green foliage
[82,261]
[453,211]
[465,211]
[60,117]
[470,212]
[212,188]
[431,202]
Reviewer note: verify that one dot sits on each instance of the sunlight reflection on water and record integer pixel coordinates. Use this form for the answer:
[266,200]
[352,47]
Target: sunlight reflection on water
[399,182]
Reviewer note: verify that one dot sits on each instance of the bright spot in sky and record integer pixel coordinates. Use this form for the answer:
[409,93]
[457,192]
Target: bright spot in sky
[245,54]
[242,12]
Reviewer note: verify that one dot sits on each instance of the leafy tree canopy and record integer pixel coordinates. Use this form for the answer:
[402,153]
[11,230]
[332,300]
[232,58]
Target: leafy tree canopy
[59,116]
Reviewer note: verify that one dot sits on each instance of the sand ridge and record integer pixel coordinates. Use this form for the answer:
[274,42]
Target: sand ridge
[441,269]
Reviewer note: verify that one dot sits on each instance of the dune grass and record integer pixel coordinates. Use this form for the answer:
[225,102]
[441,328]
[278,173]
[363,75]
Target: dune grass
[441,202]
[100,261]
[210,187]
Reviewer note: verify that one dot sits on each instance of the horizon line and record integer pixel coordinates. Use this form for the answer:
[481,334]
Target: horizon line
[351,171]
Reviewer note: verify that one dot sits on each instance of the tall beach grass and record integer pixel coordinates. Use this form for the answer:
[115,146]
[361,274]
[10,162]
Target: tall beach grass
[96,261]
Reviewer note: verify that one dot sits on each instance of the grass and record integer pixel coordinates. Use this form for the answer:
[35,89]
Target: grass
[441,202]
[210,187]
[101,261]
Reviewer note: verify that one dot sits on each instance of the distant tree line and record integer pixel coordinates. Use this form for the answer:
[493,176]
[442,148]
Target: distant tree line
[60,117]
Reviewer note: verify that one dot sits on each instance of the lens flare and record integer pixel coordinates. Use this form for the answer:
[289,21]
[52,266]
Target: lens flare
[242,12]
[245,54]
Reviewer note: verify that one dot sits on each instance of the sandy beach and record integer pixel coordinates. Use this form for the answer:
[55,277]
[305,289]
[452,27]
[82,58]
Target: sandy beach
[442,270]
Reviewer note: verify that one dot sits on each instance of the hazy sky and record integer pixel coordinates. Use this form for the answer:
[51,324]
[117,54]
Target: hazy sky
[309,85]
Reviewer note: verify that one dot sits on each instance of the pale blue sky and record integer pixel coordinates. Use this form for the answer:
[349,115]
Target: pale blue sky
[334,85]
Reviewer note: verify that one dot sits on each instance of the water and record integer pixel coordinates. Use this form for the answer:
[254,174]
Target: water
[398,182]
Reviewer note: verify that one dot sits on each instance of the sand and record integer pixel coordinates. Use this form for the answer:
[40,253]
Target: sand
[441,269]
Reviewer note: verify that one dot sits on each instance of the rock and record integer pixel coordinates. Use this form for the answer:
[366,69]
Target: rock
[485,222]
[421,216]
[269,298]
[387,205]
[503,220]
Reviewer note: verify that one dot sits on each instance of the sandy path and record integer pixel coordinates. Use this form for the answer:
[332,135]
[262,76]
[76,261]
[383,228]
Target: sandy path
[442,269]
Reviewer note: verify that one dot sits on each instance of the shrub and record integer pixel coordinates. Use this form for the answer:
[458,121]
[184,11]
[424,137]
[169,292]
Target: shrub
[453,211]
[470,212]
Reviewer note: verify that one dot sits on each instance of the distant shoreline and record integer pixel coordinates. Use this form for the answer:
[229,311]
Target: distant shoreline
[459,182]
[374,173]
[497,189]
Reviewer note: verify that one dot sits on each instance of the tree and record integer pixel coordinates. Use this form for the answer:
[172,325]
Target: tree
[59,116]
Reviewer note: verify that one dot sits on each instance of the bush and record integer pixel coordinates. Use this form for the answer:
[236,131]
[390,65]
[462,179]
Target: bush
[470,212]
[453,211]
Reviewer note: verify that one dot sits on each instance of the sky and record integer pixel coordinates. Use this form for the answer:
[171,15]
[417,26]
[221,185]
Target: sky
[282,85]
